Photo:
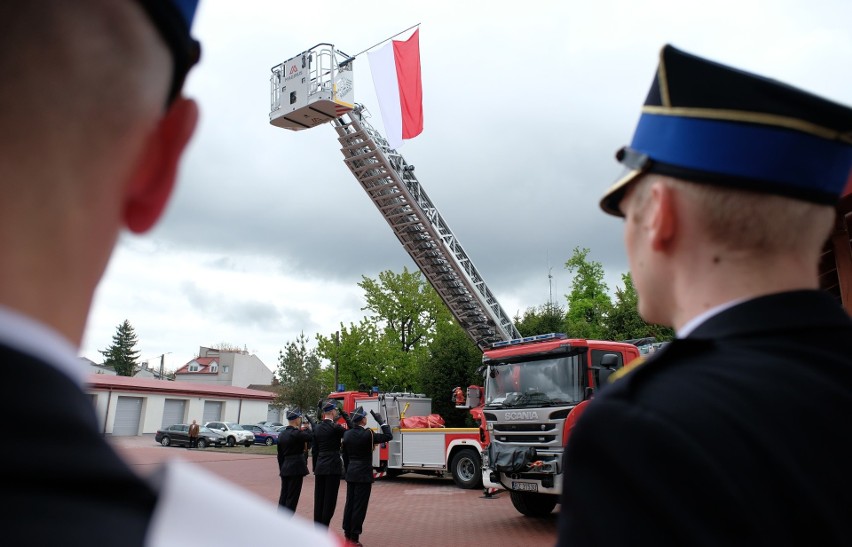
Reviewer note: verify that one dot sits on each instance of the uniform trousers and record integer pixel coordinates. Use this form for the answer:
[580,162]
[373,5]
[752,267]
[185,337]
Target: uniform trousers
[325,497]
[291,489]
[355,510]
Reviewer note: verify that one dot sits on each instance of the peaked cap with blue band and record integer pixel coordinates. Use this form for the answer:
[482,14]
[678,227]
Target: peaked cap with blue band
[359,414]
[329,405]
[294,414]
[709,123]
[173,20]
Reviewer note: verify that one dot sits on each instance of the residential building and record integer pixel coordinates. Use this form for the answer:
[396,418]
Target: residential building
[95,368]
[225,368]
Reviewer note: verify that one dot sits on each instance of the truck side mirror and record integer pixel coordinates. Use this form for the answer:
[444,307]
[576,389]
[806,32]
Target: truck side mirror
[610,361]
[609,364]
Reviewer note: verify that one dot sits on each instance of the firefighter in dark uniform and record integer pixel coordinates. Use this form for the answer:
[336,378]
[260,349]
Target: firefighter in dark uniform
[738,431]
[358,445]
[328,466]
[292,463]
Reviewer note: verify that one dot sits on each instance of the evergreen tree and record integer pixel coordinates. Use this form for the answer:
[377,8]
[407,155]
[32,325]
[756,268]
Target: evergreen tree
[122,355]
[300,375]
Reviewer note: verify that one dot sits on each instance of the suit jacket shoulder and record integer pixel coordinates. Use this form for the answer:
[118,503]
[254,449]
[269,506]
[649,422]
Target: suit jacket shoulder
[64,479]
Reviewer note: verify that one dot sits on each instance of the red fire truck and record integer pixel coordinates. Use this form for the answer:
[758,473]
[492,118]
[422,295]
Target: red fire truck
[432,450]
[535,388]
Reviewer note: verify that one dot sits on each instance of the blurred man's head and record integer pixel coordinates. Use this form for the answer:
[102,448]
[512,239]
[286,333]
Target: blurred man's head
[87,145]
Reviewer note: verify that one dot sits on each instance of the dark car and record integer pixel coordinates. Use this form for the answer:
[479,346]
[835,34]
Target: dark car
[178,435]
[262,434]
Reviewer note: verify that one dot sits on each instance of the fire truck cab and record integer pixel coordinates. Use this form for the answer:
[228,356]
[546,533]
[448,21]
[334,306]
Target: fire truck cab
[532,386]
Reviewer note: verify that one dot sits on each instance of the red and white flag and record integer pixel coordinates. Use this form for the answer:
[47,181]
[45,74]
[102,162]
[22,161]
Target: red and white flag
[396,75]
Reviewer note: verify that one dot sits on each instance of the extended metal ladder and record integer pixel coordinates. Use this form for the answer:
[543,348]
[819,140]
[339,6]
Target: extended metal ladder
[416,222]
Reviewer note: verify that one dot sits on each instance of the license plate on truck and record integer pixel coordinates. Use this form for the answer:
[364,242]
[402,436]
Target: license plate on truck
[525,486]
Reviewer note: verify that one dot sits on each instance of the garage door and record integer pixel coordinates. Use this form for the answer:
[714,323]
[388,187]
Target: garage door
[212,411]
[128,414]
[174,412]
[273,414]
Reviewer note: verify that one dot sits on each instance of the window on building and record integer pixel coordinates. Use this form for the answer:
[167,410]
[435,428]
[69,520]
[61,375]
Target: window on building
[214,367]
[225,369]
[193,368]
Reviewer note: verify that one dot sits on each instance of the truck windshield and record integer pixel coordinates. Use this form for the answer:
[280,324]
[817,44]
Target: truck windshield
[542,382]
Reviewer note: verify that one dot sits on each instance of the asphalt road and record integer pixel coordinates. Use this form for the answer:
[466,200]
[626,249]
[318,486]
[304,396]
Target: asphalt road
[410,510]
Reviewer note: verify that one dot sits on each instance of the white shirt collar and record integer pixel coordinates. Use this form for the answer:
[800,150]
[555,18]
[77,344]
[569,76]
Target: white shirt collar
[696,321]
[36,339]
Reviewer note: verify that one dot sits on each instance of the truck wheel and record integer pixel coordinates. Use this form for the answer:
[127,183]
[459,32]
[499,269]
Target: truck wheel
[466,469]
[532,504]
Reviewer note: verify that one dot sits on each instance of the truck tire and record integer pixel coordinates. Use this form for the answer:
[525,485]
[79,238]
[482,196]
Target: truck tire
[531,504]
[466,469]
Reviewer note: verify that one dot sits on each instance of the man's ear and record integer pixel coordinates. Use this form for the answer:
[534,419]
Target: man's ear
[663,216]
[154,179]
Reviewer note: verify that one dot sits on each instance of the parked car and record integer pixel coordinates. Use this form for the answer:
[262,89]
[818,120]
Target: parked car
[270,424]
[262,434]
[178,435]
[234,434]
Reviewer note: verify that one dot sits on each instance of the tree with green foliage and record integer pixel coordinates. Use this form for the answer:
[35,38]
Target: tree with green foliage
[589,303]
[452,362]
[359,353]
[299,374]
[121,355]
[624,321]
[389,346]
[542,319]
[405,305]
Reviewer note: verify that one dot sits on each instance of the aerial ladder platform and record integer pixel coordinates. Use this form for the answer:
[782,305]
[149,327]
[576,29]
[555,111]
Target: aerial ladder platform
[315,88]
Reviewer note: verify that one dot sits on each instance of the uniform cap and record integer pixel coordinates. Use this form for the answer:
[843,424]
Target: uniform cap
[329,405]
[710,123]
[294,414]
[359,414]
[173,20]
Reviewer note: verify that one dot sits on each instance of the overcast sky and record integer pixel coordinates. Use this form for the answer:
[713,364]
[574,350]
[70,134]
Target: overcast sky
[268,231]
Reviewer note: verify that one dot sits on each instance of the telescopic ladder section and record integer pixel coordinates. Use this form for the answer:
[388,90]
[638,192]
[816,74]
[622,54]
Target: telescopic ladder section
[416,222]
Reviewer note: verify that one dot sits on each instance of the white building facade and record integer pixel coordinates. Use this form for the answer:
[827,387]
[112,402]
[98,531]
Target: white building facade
[138,406]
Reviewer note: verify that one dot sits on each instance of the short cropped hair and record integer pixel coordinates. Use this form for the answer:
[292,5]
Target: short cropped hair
[77,75]
[742,220]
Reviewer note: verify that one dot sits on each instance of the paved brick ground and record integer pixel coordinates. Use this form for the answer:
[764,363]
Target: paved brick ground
[410,510]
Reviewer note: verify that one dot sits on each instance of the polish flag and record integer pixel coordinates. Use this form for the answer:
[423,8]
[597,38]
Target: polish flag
[396,75]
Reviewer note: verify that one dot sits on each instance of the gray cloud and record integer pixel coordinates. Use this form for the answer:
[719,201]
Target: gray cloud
[524,109]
